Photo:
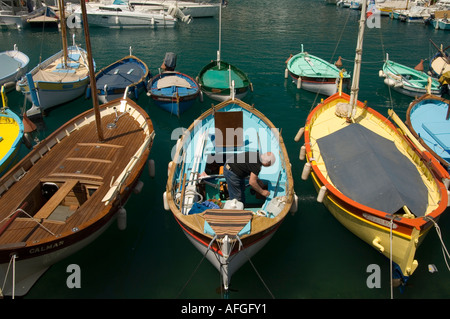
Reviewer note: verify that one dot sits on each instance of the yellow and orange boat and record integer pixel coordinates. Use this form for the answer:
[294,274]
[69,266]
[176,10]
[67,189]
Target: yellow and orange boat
[373,176]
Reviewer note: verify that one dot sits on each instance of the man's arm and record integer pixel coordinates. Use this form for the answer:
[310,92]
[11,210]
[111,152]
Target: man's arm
[253,181]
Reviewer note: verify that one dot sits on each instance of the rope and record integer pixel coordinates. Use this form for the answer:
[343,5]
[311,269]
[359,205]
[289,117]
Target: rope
[36,220]
[13,262]
[444,249]
[390,255]
[332,56]
[254,268]
[196,268]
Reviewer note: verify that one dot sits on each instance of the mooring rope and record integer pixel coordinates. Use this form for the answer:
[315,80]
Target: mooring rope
[391,224]
[444,249]
[196,268]
[257,273]
[13,262]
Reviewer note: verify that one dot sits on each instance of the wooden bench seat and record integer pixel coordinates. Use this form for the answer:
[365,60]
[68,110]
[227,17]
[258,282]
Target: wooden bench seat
[56,199]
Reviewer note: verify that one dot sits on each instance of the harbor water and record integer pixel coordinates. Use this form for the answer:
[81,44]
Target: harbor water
[311,256]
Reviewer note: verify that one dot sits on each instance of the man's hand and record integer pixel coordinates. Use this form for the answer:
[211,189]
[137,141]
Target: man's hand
[256,183]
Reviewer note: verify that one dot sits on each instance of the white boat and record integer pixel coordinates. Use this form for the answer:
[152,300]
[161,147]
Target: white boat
[343,3]
[14,65]
[188,8]
[59,79]
[120,15]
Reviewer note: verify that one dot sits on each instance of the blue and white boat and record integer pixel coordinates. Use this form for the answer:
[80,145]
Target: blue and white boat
[173,91]
[226,231]
[129,73]
[59,79]
[14,65]
[428,119]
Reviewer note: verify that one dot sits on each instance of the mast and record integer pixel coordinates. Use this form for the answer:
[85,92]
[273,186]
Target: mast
[62,20]
[91,72]
[220,33]
[358,58]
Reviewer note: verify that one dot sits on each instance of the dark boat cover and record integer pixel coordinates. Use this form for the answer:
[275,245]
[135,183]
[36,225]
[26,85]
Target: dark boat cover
[370,170]
[121,74]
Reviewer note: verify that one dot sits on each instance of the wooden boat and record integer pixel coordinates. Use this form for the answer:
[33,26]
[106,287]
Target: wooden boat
[428,120]
[314,74]
[406,80]
[440,62]
[130,73]
[11,135]
[200,204]
[371,176]
[61,78]
[173,91]
[14,65]
[70,187]
[215,78]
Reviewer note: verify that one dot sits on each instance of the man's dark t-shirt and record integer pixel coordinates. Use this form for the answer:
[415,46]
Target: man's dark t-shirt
[242,164]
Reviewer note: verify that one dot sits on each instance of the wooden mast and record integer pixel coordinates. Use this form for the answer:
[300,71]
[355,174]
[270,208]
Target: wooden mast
[358,57]
[62,20]
[91,72]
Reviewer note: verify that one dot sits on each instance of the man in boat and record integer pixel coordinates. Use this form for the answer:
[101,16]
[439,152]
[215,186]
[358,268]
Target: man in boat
[240,166]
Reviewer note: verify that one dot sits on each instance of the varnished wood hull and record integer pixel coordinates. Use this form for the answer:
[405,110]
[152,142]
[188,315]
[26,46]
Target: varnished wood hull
[98,178]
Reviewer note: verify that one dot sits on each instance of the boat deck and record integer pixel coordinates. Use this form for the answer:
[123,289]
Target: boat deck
[82,168]
[75,70]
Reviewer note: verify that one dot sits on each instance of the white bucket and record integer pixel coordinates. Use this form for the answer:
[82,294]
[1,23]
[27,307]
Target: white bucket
[233,204]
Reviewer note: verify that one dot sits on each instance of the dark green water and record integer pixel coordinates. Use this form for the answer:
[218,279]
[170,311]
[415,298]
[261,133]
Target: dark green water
[311,256]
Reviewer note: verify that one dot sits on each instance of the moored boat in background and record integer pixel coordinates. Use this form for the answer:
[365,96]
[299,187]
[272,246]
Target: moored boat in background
[14,65]
[173,91]
[409,81]
[126,74]
[315,74]
[61,78]
[216,78]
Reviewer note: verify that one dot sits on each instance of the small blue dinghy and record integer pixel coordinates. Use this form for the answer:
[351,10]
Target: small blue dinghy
[428,119]
[173,91]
